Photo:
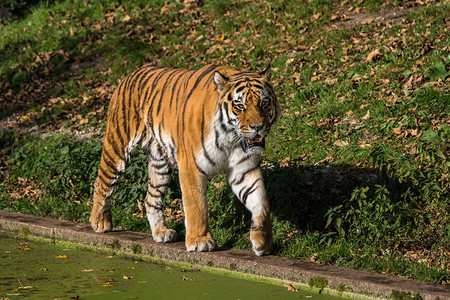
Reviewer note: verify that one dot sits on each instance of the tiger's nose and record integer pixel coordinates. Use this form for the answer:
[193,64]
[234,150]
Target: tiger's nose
[257,127]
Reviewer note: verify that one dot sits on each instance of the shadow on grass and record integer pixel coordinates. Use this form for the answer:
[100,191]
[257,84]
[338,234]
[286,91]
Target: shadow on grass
[303,195]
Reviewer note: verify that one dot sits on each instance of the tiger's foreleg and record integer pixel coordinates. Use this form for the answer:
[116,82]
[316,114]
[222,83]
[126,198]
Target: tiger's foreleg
[193,188]
[111,168]
[159,175]
[249,188]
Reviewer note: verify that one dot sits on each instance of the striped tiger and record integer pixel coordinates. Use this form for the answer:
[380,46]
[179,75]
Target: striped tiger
[202,122]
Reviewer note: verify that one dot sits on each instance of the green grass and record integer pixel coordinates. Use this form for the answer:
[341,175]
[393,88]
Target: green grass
[356,169]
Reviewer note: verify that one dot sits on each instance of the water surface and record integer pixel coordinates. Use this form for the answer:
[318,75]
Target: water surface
[39,270]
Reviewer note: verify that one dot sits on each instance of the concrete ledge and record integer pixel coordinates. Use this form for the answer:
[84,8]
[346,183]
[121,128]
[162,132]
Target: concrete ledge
[295,270]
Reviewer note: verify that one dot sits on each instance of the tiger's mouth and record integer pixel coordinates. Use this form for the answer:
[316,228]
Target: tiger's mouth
[255,143]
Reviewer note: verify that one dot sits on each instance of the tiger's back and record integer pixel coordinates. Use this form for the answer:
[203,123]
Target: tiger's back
[196,121]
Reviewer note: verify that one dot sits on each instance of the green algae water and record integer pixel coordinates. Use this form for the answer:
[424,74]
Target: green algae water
[39,270]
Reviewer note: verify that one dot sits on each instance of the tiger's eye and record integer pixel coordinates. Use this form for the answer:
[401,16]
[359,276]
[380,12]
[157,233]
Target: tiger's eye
[240,106]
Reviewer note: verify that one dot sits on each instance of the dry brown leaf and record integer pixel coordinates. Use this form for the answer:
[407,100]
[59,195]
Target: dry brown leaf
[367,115]
[396,130]
[290,287]
[373,55]
[340,143]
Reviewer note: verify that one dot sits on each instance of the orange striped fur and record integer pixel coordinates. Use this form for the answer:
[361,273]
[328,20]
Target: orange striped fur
[203,122]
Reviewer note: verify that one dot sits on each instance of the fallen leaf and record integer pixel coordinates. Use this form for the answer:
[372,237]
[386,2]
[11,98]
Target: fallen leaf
[396,130]
[88,270]
[127,277]
[373,55]
[340,143]
[367,115]
[62,256]
[290,287]
[331,81]
[26,249]
[185,278]
[25,287]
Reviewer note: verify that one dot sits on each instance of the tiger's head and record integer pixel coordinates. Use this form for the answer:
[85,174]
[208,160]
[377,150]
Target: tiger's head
[248,107]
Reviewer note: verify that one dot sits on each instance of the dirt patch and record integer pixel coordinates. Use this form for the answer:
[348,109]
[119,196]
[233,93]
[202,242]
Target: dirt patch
[369,18]
[348,17]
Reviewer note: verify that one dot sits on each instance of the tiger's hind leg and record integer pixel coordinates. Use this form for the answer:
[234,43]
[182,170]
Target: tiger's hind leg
[159,175]
[111,167]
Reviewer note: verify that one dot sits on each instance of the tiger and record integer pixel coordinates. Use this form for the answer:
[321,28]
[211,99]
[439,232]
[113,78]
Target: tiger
[202,122]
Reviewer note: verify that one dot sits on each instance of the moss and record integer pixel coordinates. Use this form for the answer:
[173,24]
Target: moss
[318,282]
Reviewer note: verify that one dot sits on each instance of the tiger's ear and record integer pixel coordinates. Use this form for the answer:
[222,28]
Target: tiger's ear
[220,80]
[266,72]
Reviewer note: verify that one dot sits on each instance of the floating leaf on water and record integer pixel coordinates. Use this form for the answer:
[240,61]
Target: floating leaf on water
[127,277]
[25,287]
[62,256]
[27,249]
[88,270]
[130,268]
[44,269]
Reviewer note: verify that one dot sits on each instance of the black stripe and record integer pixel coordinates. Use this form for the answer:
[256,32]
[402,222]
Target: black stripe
[209,81]
[168,82]
[108,184]
[239,89]
[105,174]
[155,196]
[178,90]
[148,89]
[205,153]
[222,124]
[143,75]
[243,175]
[118,151]
[198,167]
[109,161]
[197,81]
[248,191]
[164,173]
[125,110]
[157,186]
[218,146]
[159,166]
[157,207]
[158,91]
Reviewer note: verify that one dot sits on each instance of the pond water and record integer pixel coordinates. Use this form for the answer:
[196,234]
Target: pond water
[39,270]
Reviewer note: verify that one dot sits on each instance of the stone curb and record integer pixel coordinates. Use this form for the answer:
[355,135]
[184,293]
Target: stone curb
[294,270]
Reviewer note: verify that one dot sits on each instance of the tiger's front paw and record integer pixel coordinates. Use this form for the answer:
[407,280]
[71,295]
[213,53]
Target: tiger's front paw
[261,238]
[101,220]
[201,244]
[164,235]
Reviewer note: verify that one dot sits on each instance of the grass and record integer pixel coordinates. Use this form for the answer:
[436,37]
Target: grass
[356,169]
